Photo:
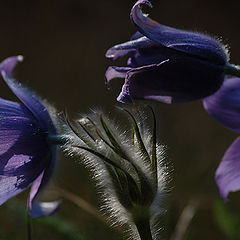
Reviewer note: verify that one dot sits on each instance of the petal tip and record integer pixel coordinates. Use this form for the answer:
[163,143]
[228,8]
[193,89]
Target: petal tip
[148,3]
[20,58]
[9,64]
[108,76]
[137,11]
[44,209]
[109,54]
[124,96]
[115,72]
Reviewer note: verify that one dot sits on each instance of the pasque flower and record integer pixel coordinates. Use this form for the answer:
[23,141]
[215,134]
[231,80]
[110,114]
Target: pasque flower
[27,157]
[128,164]
[224,106]
[166,64]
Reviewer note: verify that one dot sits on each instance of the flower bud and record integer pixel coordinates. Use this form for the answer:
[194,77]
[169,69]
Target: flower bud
[128,164]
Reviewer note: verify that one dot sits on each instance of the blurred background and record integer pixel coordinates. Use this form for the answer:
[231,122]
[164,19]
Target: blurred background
[64,43]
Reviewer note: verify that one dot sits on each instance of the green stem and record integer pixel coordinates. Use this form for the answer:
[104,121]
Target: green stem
[141,218]
[29,228]
[232,70]
[144,230]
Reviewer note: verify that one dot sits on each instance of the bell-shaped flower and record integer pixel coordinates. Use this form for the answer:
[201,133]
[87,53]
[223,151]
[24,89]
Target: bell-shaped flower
[27,157]
[166,64]
[224,106]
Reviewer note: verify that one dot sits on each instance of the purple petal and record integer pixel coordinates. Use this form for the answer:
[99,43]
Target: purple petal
[194,44]
[9,186]
[9,108]
[115,72]
[13,129]
[44,209]
[153,54]
[23,155]
[142,52]
[125,96]
[228,172]
[136,36]
[176,80]
[224,105]
[37,209]
[116,53]
[28,99]
[121,50]
[41,209]
[9,63]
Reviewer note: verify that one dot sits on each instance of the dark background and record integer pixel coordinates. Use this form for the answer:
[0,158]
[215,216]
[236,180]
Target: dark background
[64,43]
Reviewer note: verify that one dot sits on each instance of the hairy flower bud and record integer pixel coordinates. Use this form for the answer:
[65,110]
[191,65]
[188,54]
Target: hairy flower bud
[128,165]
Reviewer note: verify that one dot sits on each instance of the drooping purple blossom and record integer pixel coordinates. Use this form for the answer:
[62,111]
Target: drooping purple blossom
[166,64]
[26,156]
[224,106]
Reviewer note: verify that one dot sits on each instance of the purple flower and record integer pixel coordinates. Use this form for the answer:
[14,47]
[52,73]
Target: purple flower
[166,64]
[26,156]
[224,106]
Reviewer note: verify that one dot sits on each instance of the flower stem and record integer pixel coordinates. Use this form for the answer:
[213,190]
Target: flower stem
[144,230]
[232,70]
[141,218]
[29,228]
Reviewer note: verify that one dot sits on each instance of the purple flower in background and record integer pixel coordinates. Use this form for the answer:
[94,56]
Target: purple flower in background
[166,64]
[26,156]
[224,106]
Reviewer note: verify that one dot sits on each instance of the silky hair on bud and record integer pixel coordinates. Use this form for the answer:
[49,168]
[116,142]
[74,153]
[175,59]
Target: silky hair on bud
[127,163]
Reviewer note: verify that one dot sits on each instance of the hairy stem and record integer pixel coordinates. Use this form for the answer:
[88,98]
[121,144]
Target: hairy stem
[141,218]
[144,230]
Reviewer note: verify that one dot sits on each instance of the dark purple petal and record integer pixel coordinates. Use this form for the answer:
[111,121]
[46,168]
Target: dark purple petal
[228,172]
[28,99]
[124,96]
[142,52]
[224,105]
[9,186]
[9,108]
[193,44]
[41,209]
[13,129]
[176,80]
[44,209]
[121,50]
[153,54]
[9,63]
[136,36]
[38,209]
[23,155]
[115,72]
